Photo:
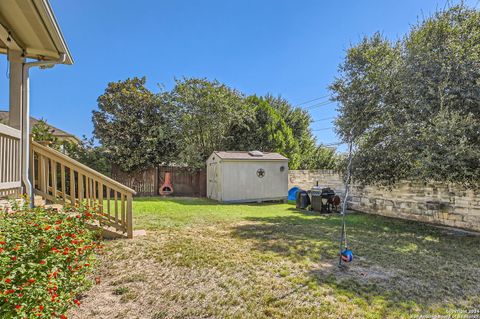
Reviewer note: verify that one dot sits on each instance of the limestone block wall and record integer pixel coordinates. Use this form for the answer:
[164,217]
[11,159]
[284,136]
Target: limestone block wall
[305,179]
[436,203]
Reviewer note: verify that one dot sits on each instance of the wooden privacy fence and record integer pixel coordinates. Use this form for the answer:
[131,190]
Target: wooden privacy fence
[185,181]
[60,179]
[144,182]
[10,178]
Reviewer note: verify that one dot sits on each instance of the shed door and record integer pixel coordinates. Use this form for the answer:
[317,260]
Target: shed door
[214,182]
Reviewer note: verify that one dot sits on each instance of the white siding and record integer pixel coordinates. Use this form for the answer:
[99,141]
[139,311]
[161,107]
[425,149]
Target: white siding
[237,180]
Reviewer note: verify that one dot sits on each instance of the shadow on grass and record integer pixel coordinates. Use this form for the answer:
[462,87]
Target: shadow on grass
[307,212]
[199,201]
[404,263]
[188,201]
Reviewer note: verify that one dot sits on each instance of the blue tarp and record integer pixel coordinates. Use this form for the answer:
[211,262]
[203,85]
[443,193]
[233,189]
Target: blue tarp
[292,193]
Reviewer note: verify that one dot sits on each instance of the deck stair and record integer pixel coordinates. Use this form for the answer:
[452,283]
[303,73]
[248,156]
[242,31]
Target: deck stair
[59,180]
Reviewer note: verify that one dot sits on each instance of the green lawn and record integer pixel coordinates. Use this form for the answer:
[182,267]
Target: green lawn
[201,259]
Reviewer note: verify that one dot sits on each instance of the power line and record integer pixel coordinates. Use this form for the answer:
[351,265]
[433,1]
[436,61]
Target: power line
[333,144]
[319,104]
[318,98]
[322,129]
[323,119]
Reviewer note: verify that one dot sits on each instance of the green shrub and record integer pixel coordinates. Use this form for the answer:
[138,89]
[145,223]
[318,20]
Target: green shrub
[45,257]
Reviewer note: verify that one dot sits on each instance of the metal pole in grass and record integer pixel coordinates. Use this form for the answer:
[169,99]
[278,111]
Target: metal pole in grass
[343,236]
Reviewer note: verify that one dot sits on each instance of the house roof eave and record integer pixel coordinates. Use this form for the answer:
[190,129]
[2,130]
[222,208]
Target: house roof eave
[30,26]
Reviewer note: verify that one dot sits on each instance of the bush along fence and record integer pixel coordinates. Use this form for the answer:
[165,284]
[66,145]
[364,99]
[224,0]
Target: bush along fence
[45,259]
[436,203]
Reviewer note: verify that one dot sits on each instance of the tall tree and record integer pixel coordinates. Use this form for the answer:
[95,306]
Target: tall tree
[272,125]
[138,128]
[262,128]
[273,133]
[322,158]
[413,106]
[135,126]
[205,111]
[298,120]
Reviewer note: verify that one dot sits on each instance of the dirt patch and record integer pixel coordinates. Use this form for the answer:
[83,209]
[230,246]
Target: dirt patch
[365,274]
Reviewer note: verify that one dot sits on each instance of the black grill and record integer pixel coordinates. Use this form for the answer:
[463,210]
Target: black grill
[303,201]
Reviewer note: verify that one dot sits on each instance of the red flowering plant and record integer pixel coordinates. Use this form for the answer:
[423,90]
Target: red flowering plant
[45,259]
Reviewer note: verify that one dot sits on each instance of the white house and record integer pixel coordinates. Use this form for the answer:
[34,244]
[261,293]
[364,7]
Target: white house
[30,37]
[247,176]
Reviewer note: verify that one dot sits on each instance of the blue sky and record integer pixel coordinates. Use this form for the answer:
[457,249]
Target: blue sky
[287,48]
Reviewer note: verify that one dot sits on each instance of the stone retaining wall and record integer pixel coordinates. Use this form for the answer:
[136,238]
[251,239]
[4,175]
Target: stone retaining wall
[427,202]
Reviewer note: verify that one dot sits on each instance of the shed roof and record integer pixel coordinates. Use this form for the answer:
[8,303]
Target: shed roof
[30,26]
[238,155]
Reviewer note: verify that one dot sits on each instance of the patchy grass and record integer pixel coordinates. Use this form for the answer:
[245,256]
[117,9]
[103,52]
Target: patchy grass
[120,291]
[203,259]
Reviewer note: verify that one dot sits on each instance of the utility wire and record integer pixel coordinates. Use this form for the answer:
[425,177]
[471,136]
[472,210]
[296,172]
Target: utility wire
[319,104]
[322,129]
[318,98]
[333,144]
[323,119]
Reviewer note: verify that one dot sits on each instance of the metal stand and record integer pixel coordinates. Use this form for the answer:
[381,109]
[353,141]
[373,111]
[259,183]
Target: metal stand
[343,236]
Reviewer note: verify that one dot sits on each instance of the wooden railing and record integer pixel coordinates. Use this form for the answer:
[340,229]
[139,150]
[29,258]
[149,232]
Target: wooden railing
[10,178]
[60,179]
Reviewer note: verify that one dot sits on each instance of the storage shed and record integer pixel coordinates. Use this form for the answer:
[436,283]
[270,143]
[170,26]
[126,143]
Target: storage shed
[247,176]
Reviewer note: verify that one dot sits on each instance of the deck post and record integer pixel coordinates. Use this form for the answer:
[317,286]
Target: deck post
[15,64]
[129,216]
